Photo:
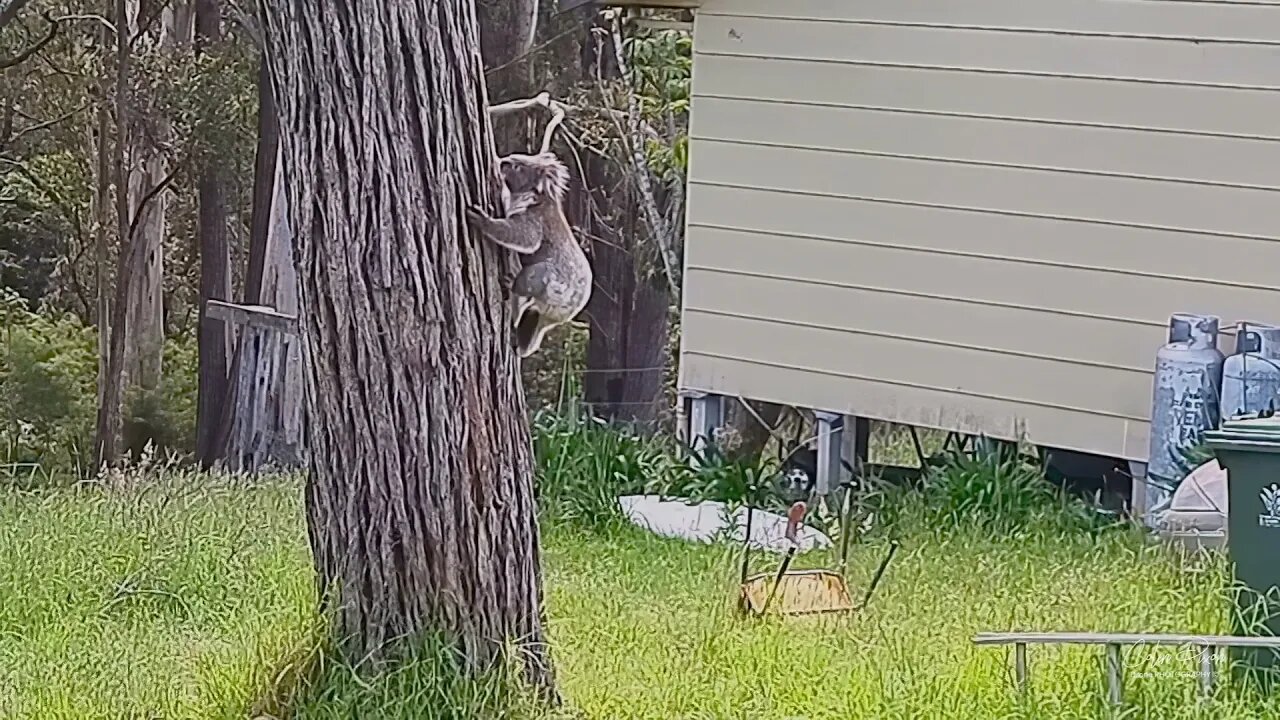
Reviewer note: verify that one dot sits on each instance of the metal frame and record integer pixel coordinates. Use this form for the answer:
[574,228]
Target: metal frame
[1207,644]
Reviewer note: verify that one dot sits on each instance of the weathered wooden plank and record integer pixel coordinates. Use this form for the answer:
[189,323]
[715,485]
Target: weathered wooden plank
[1092,638]
[258,316]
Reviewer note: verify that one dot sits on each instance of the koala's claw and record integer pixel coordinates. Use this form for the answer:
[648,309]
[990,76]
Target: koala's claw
[476,214]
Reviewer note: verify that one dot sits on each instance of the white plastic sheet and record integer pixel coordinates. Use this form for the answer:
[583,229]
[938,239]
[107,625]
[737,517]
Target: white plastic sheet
[703,522]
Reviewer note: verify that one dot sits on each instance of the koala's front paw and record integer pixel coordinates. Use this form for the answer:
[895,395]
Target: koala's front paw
[477,216]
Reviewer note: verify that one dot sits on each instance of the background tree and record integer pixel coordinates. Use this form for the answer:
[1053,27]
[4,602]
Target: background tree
[420,498]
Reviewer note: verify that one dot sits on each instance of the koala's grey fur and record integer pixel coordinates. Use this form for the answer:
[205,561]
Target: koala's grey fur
[555,282]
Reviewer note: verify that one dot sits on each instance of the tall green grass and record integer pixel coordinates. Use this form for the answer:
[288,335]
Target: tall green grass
[191,597]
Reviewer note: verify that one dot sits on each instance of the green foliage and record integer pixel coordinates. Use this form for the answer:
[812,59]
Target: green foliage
[997,493]
[189,599]
[48,394]
[715,476]
[42,203]
[584,465]
[662,64]
[48,367]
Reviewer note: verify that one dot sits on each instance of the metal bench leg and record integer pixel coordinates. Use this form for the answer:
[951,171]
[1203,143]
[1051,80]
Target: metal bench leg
[1114,674]
[1020,666]
[1206,671]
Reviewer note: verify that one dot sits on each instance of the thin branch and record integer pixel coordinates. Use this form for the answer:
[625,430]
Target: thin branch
[90,16]
[557,117]
[10,10]
[25,54]
[543,100]
[535,49]
[657,225]
[46,124]
[142,204]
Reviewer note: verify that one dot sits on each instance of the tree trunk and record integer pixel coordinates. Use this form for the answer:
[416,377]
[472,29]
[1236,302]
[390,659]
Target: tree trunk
[626,351]
[111,390]
[263,414]
[420,501]
[215,272]
[507,29]
[102,249]
[148,167]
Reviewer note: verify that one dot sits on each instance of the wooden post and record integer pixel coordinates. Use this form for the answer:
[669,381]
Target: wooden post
[259,316]
[263,416]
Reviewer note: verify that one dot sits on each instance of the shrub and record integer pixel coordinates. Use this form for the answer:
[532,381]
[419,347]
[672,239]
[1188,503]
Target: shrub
[48,367]
[999,493]
[584,465]
[48,393]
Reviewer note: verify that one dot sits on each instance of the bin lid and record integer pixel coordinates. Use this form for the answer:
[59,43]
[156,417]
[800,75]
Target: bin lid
[1257,434]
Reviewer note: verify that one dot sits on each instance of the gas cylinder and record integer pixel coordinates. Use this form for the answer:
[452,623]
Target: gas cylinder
[1188,384]
[1251,375]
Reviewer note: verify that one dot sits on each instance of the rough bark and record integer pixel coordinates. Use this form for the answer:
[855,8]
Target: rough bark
[148,168]
[111,390]
[215,271]
[420,498]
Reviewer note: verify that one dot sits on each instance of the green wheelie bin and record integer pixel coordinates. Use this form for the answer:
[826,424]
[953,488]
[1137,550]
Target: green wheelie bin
[1249,450]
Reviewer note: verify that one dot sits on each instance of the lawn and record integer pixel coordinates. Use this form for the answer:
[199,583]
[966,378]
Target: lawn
[182,601]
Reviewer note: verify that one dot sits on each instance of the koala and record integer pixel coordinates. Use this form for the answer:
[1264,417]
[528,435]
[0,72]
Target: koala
[554,284]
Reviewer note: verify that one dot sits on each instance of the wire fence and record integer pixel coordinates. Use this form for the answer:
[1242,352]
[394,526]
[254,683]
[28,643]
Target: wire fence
[641,396]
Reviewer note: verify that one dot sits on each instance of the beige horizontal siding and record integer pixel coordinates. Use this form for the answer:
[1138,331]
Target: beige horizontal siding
[1123,250]
[925,407]
[1049,193]
[1146,59]
[1050,336]
[976,216]
[1049,146]
[1244,21]
[977,281]
[959,370]
[1223,111]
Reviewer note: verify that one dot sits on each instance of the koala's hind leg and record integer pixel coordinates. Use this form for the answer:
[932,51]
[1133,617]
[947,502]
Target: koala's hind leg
[529,333]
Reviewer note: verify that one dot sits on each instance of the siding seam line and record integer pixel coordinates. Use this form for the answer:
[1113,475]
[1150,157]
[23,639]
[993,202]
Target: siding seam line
[1229,328]
[918,386]
[977,116]
[990,211]
[988,71]
[922,340]
[982,256]
[1006,29]
[989,164]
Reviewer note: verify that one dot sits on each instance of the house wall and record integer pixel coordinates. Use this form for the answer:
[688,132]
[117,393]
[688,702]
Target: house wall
[976,216]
